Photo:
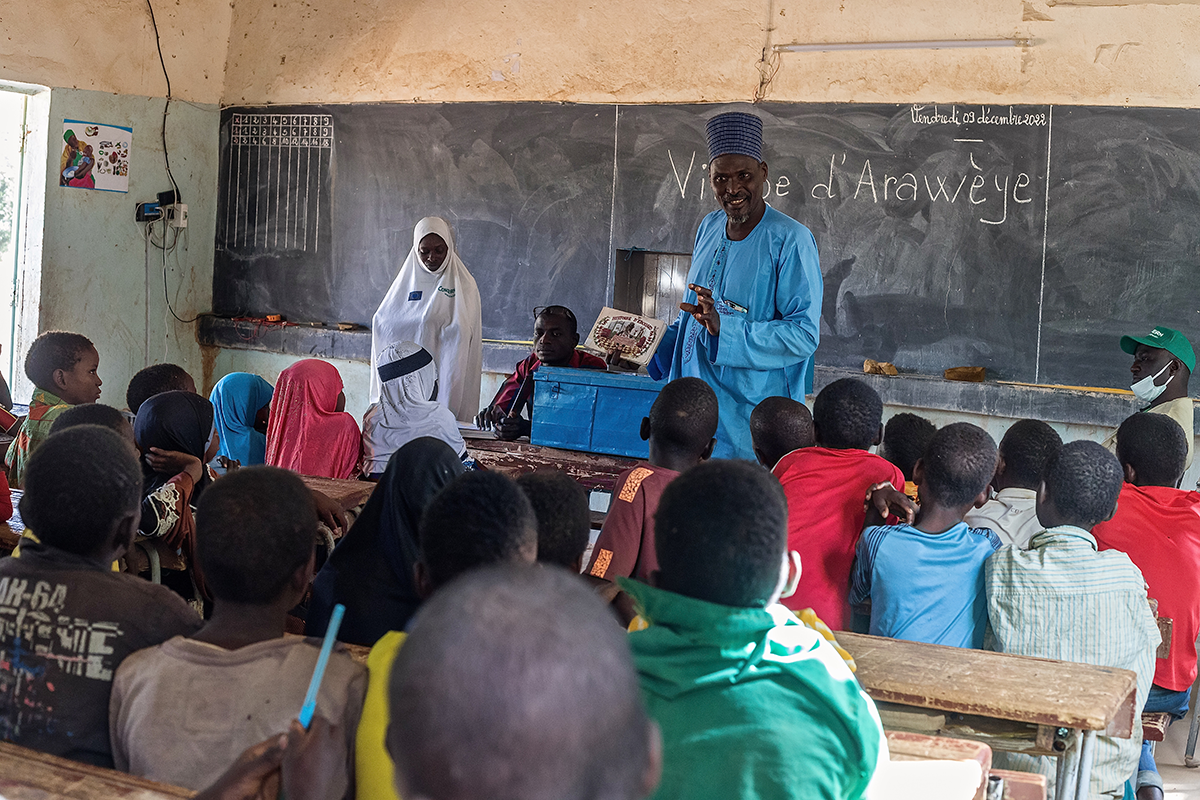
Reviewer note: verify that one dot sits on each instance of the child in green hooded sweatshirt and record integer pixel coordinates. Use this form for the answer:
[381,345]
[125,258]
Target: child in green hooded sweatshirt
[753,705]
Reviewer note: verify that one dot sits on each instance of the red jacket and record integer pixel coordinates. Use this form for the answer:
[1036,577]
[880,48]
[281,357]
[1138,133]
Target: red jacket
[517,391]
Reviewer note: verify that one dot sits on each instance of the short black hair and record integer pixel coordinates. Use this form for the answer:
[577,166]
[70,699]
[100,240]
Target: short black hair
[254,528]
[78,483]
[1026,447]
[779,425]
[1155,446]
[720,533]
[547,706]
[847,414]
[557,311]
[1083,481]
[905,438]
[564,520]
[959,462]
[54,350]
[683,417]
[92,414]
[156,379]
[479,518]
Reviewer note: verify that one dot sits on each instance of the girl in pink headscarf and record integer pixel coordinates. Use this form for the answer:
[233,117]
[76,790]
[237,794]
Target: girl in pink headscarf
[309,431]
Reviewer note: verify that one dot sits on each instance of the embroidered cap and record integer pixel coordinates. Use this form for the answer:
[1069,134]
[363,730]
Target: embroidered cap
[1167,339]
[735,133]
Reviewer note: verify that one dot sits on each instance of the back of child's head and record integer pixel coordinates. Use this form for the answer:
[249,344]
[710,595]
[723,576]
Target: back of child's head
[779,425]
[959,464]
[559,312]
[847,415]
[254,528]
[52,351]
[1082,482]
[93,414]
[683,418]
[1155,446]
[905,438]
[1026,447]
[720,533]
[156,379]
[78,484]
[480,518]
[547,706]
[564,521]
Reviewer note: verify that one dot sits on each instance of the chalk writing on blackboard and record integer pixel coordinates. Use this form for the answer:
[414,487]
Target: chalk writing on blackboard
[276,161]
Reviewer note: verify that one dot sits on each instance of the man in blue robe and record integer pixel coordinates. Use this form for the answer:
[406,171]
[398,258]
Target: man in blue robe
[749,322]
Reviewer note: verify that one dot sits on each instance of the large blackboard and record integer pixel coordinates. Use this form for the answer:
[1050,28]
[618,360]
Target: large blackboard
[1022,238]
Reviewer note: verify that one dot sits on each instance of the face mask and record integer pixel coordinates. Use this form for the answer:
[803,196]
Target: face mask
[1145,389]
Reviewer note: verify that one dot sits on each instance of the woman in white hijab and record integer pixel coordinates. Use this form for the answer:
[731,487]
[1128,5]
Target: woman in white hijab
[407,407]
[434,302]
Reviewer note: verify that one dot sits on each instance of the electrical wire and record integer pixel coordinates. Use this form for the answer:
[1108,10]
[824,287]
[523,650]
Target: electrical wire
[167,104]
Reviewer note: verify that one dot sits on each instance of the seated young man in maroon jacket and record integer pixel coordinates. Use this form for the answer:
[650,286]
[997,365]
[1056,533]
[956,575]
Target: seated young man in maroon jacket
[555,336]
[680,429]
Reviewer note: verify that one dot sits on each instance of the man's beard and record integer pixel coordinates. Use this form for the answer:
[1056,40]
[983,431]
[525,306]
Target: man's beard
[738,220]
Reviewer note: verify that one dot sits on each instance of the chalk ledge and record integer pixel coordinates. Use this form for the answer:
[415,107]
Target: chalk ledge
[1051,404]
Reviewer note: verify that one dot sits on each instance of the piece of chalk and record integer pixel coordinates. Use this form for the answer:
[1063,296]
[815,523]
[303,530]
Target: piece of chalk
[310,700]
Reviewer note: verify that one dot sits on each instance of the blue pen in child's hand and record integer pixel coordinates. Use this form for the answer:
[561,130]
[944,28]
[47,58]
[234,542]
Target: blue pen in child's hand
[310,700]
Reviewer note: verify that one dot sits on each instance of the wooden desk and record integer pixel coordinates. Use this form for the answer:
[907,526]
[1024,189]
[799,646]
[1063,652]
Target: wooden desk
[346,493]
[29,775]
[590,470]
[976,687]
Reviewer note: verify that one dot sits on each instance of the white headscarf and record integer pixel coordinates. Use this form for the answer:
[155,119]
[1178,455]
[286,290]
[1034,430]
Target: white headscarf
[404,411]
[441,312]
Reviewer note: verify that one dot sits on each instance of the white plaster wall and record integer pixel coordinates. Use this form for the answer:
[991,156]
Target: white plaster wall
[93,265]
[628,51]
[108,45]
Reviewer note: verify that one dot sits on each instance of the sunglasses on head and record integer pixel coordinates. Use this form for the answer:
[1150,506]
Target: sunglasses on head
[554,311]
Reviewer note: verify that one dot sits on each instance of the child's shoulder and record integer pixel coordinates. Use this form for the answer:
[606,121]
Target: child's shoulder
[631,481]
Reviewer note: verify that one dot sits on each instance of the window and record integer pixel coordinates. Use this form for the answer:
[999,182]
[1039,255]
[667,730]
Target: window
[651,284]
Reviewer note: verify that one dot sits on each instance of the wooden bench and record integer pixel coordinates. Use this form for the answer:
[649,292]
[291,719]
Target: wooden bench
[346,493]
[1010,702]
[29,775]
[590,470]
[1022,785]
[1154,725]
[903,746]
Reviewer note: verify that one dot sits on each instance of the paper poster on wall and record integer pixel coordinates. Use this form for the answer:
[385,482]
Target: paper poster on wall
[95,156]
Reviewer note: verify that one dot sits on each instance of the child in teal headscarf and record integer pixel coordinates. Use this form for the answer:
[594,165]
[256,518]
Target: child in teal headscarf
[243,403]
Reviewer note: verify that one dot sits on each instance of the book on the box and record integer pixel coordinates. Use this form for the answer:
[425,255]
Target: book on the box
[633,336]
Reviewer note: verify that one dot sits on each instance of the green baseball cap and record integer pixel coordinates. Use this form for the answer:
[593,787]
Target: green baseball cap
[1167,339]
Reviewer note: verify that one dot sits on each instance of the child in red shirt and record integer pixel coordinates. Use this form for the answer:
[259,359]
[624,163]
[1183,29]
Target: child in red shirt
[1158,527]
[555,336]
[825,486]
[680,429]
[779,425]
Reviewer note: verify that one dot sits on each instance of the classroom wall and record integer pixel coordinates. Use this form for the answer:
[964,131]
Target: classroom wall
[93,256]
[1082,51]
[108,45]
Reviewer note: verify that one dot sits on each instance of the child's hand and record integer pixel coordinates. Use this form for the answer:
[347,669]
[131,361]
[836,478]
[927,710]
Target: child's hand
[254,776]
[311,763]
[328,511]
[173,462]
[510,428]
[883,499]
[488,417]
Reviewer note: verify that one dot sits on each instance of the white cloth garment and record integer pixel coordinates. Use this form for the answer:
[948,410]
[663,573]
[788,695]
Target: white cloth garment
[404,411]
[441,312]
[1011,514]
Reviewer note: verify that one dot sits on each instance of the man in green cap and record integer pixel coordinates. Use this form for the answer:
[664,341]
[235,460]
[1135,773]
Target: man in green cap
[1163,361]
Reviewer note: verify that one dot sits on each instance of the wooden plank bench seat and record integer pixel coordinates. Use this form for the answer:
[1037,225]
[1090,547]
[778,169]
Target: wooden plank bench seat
[1022,785]
[1154,725]
[29,775]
